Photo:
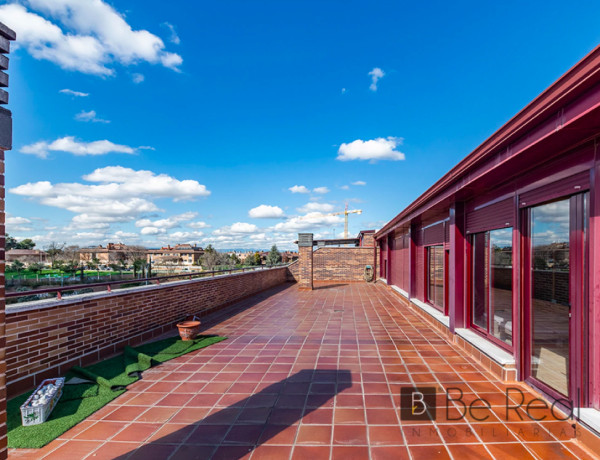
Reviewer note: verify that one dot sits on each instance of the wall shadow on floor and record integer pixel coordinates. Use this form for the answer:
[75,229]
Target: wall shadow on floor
[228,311]
[328,286]
[252,421]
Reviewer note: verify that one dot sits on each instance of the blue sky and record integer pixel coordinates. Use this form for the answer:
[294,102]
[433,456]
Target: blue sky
[196,113]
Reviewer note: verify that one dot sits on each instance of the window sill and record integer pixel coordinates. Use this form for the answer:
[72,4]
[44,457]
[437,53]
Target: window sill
[492,351]
[432,311]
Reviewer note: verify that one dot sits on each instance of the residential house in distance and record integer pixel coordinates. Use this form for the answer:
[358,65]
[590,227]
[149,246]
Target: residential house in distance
[27,256]
[180,254]
[289,256]
[111,254]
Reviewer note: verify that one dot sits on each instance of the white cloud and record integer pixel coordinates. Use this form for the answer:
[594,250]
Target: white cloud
[376,74]
[84,35]
[173,38]
[321,190]
[186,237]
[359,183]
[152,231]
[137,78]
[373,150]
[315,207]
[265,211]
[310,221]
[239,228]
[89,116]
[71,145]
[17,220]
[17,224]
[74,93]
[299,189]
[118,195]
[198,224]
[147,182]
[345,187]
[160,226]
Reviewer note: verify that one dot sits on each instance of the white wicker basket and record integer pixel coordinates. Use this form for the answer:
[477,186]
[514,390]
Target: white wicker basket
[34,415]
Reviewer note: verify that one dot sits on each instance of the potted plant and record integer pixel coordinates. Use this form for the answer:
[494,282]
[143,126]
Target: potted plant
[189,328]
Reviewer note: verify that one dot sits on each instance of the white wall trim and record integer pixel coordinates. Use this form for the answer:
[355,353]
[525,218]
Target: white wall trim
[434,312]
[492,351]
[402,292]
[589,417]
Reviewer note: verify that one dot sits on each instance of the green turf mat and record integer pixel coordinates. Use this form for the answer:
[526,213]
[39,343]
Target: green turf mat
[108,380]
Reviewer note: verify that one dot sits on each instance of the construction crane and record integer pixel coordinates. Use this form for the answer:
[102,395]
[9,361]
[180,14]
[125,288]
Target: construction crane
[345,212]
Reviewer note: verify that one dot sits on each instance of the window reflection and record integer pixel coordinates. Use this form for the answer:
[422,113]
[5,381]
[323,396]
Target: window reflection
[492,283]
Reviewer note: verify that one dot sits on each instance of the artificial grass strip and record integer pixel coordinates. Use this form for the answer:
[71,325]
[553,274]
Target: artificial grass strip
[108,379]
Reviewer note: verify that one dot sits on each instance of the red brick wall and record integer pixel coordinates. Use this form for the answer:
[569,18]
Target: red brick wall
[3,449]
[45,342]
[293,273]
[305,270]
[341,264]
[368,240]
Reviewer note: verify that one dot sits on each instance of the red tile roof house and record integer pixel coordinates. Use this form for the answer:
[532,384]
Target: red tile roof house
[486,284]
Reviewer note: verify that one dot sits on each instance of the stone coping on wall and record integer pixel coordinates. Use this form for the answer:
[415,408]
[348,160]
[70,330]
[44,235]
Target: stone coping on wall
[589,417]
[72,299]
[486,347]
[431,311]
[400,291]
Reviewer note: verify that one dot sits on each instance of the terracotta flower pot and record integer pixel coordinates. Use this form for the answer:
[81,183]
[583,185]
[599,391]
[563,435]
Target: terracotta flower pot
[188,330]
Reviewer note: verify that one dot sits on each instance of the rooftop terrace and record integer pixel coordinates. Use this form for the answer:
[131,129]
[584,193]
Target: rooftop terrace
[314,374]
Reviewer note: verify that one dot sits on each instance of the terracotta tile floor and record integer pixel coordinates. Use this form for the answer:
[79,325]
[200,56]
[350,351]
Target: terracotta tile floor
[312,375]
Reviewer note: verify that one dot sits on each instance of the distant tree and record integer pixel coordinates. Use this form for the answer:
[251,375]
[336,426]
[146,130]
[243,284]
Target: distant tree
[58,265]
[27,243]
[93,264]
[17,266]
[115,267]
[274,256]
[235,260]
[253,259]
[213,258]
[70,267]
[54,250]
[138,264]
[36,267]
[10,242]
[249,260]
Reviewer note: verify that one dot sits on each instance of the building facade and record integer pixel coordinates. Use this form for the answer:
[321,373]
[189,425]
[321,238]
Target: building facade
[113,253]
[504,250]
[27,256]
[180,254]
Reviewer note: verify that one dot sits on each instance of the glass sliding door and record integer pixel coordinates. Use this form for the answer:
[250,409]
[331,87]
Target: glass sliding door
[435,276]
[550,294]
[491,284]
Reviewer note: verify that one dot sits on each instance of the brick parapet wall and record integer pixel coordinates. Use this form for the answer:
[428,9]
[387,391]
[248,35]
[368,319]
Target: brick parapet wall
[3,449]
[368,240]
[293,273]
[305,270]
[341,264]
[49,337]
